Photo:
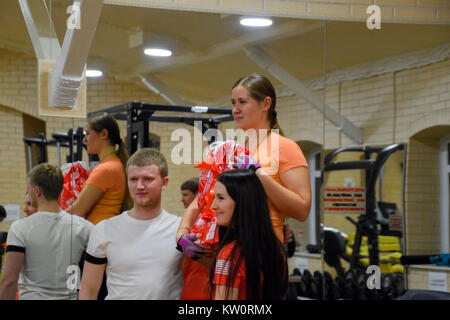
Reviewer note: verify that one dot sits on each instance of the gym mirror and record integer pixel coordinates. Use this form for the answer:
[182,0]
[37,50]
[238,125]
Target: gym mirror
[378,208]
[347,95]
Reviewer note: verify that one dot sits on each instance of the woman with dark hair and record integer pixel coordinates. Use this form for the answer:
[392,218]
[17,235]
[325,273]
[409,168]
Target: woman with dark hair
[278,162]
[250,264]
[105,193]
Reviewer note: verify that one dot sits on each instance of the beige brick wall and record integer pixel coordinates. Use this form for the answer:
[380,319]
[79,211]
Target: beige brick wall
[422,197]
[422,11]
[12,158]
[418,276]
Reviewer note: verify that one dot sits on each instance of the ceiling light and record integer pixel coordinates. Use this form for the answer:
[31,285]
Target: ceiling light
[93,73]
[256,22]
[158,52]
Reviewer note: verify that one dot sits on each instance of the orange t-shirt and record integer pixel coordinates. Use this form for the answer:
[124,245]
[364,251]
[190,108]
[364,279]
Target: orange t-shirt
[196,278]
[109,176]
[196,281]
[224,267]
[278,154]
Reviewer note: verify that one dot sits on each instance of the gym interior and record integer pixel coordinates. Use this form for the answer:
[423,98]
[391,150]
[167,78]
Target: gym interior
[363,87]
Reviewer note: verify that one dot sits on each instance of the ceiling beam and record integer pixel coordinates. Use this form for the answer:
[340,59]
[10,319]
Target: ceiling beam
[158,87]
[285,30]
[41,30]
[264,61]
[68,73]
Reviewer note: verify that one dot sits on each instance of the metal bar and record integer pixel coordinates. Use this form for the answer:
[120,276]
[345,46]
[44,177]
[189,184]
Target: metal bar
[161,107]
[30,156]
[58,147]
[349,165]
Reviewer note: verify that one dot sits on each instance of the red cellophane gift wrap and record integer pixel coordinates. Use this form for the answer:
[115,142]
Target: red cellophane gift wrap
[221,156]
[75,175]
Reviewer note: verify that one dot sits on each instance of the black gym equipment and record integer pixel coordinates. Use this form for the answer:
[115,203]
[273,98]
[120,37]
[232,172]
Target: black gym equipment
[352,283]
[367,224]
[138,116]
[67,139]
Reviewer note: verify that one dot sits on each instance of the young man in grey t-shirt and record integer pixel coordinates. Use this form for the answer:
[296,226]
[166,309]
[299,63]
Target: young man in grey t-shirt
[42,248]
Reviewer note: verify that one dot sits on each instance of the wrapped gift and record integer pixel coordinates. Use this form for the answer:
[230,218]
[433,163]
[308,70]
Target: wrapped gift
[221,156]
[75,175]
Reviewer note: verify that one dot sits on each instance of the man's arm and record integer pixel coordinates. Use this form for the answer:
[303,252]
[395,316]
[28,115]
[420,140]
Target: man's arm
[91,280]
[11,271]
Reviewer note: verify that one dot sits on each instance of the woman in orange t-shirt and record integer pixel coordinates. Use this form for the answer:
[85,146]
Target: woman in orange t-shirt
[283,173]
[104,194]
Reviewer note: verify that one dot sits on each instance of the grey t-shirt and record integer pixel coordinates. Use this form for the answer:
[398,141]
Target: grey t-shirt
[51,242]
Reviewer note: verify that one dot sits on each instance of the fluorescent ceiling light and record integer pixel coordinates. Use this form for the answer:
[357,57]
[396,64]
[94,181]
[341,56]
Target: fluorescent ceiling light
[256,22]
[158,52]
[93,73]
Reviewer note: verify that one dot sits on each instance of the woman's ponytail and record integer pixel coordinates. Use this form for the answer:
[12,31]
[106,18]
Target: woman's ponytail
[122,154]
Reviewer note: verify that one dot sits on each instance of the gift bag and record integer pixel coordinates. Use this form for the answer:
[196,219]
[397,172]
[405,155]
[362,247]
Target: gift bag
[221,156]
[75,175]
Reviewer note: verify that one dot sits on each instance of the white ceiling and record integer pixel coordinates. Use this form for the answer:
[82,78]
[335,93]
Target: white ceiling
[207,47]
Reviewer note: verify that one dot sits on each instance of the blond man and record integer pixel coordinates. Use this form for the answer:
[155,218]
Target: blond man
[136,248]
[42,247]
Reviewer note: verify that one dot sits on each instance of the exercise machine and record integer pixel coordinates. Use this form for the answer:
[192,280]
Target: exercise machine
[73,140]
[139,115]
[375,213]
[373,225]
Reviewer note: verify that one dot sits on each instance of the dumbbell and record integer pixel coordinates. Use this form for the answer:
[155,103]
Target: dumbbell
[399,285]
[317,285]
[340,285]
[298,285]
[330,288]
[291,293]
[386,290]
[350,285]
[306,281]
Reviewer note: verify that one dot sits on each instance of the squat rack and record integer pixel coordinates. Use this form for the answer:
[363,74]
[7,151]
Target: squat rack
[67,139]
[138,116]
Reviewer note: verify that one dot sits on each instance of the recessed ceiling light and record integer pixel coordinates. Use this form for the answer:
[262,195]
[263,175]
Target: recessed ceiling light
[158,52]
[256,22]
[93,73]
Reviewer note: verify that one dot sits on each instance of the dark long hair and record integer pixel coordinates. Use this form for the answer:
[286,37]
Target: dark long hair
[105,121]
[256,243]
